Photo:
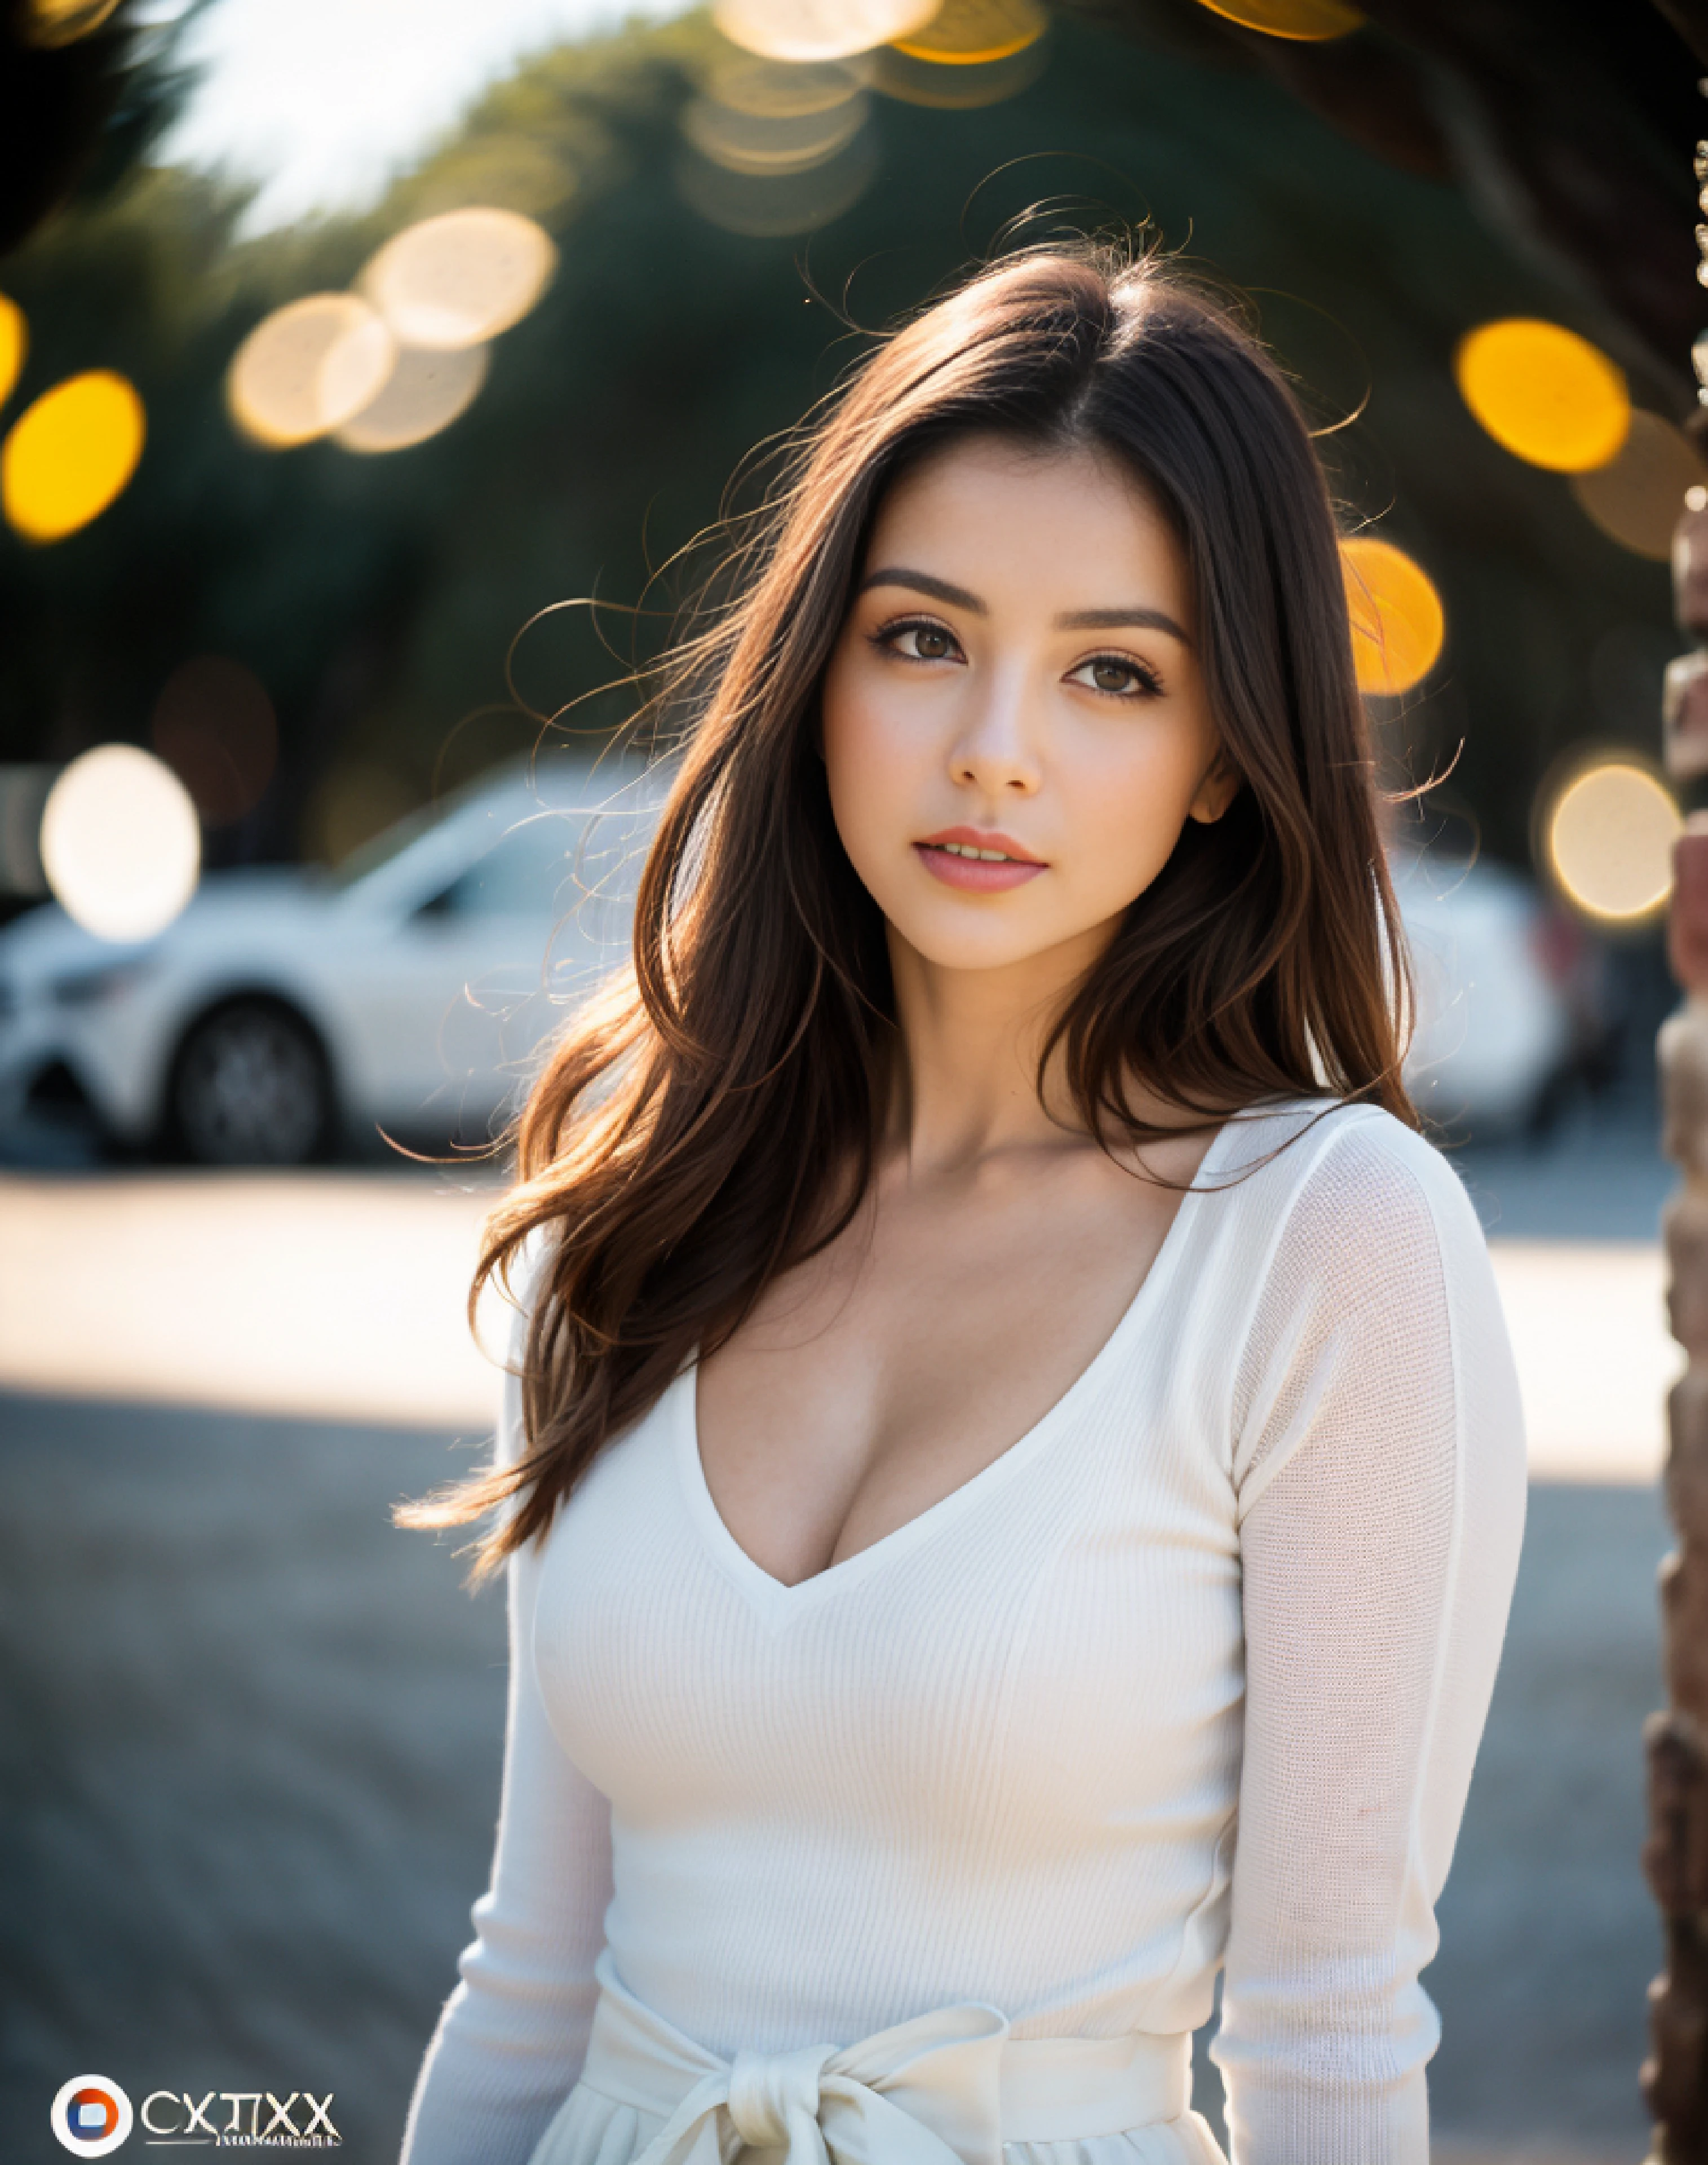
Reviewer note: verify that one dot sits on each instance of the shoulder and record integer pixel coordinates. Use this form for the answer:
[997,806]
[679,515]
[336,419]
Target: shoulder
[1345,1196]
[1371,1289]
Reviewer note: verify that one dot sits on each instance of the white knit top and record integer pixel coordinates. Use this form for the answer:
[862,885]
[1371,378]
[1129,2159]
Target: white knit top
[1192,1675]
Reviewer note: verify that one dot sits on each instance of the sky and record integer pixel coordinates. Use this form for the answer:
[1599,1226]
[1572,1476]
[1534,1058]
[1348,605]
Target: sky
[321,100]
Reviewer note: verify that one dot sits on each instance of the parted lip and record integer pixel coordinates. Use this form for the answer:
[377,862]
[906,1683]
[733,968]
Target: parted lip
[975,838]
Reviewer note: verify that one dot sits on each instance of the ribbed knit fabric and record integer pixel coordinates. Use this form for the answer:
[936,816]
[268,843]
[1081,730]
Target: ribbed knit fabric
[1250,1573]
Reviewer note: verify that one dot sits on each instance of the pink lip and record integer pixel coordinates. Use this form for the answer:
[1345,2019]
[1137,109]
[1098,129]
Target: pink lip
[971,873]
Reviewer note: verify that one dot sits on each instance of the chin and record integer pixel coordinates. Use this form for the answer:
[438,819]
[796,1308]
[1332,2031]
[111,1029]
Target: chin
[948,940]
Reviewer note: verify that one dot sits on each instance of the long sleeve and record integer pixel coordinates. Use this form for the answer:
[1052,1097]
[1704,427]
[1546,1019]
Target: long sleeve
[1379,1464]
[512,2034]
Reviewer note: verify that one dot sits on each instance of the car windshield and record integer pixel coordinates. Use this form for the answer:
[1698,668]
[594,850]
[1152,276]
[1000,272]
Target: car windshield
[531,868]
[549,786]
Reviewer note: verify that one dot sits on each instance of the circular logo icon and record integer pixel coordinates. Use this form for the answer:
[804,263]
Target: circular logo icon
[90,2115]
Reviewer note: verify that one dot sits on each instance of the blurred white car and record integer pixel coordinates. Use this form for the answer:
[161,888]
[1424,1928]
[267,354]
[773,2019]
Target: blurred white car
[287,1009]
[1503,1001]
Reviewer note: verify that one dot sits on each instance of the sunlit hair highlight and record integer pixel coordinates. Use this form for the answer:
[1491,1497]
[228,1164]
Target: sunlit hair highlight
[712,1118]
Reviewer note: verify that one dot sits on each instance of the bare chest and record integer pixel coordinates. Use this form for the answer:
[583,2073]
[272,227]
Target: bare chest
[884,1374]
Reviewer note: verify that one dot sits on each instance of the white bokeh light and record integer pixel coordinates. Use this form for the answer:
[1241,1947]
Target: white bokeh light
[819,29]
[425,393]
[309,367]
[120,843]
[460,279]
[1609,838]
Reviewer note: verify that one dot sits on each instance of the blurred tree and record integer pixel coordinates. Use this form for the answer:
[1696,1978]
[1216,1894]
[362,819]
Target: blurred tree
[375,597]
[1501,97]
[78,116]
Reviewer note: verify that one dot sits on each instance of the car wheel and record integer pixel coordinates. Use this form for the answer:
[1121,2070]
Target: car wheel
[250,1087]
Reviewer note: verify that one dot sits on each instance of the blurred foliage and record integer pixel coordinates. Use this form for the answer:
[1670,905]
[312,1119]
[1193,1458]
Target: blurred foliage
[75,117]
[376,598]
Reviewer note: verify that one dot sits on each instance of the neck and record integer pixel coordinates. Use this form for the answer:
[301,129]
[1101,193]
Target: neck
[966,1084]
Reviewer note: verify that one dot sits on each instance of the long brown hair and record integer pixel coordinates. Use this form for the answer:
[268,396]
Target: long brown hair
[712,1118]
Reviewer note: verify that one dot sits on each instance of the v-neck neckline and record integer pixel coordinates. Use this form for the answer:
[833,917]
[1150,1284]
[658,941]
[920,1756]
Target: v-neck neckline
[775,1599]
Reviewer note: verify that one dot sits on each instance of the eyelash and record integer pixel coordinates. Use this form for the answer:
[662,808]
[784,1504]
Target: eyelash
[1149,684]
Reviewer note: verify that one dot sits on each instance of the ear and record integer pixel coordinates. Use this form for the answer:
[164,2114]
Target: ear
[1217,790]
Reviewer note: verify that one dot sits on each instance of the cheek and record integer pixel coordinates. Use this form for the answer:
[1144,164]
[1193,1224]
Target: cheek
[869,762]
[1126,803]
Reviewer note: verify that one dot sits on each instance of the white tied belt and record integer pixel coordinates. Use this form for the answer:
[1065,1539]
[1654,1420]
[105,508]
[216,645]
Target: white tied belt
[946,2088]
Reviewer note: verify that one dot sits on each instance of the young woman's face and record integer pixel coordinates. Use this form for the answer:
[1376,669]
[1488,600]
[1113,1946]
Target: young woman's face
[1015,726]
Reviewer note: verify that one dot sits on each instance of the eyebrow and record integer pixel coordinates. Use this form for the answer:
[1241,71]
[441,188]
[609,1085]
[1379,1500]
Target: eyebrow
[1111,619]
[923,583]
[1100,620]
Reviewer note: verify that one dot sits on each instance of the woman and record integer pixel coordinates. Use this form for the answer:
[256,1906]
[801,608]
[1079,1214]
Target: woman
[1014,1478]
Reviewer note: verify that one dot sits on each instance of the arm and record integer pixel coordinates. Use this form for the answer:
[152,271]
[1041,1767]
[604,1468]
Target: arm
[512,2034]
[1379,1467]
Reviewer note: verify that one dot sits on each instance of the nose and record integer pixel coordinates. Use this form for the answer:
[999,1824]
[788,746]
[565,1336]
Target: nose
[995,749]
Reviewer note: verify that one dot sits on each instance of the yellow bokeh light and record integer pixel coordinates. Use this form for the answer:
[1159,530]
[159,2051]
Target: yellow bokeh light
[63,22]
[974,32]
[1637,498]
[14,344]
[308,368]
[1398,623]
[1609,839]
[460,278]
[1313,20]
[120,843]
[1543,394]
[819,29]
[69,454]
[425,393]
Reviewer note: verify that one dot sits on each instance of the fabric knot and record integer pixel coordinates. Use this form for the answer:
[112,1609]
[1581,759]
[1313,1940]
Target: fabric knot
[768,2090]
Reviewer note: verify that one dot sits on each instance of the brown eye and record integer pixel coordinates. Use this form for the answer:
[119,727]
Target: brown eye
[931,643]
[1116,676]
